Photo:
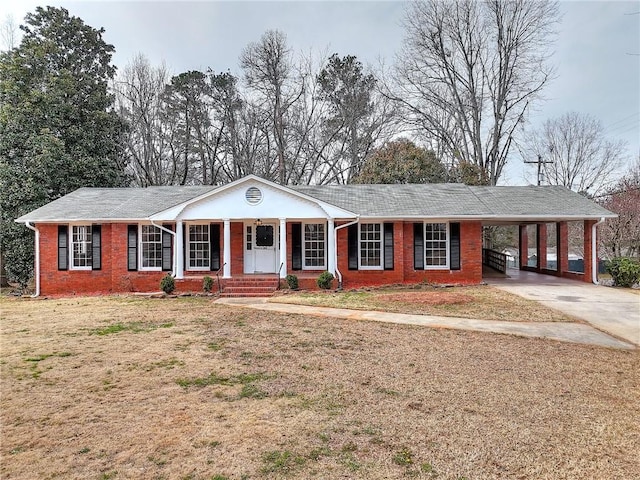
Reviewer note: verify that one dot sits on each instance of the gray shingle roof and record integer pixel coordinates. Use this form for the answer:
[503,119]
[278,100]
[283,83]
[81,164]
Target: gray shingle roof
[398,200]
[456,200]
[382,201]
[114,203]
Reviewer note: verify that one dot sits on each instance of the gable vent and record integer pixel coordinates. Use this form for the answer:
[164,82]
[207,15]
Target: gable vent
[253,195]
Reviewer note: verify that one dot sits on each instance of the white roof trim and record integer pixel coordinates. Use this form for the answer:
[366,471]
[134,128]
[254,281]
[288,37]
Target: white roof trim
[174,212]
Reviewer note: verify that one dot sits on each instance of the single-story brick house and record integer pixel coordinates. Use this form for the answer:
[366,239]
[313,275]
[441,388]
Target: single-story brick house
[127,239]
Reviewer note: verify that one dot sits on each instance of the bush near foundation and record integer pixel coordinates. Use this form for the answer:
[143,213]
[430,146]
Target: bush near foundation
[624,271]
[325,280]
[292,281]
[207,284]
[167,284]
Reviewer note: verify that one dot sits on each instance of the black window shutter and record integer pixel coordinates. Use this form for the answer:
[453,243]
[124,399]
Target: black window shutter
[185,247]
[388,246]
[63,247]
[167,247]
[132,247]
[96,247]
[352,246]
[296,246]
[214,236]
[454,246]
[418,246]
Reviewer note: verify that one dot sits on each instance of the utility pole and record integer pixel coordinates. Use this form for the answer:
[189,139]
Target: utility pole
[540,162]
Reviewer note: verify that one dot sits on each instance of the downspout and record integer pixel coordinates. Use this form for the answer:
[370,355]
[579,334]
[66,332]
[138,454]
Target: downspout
[36,272]
[173,263]
[594,258]
[335,247]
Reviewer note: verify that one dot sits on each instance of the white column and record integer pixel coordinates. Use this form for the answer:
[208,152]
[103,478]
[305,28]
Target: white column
[331,247]
[226,257]
[283,247]
[178,250]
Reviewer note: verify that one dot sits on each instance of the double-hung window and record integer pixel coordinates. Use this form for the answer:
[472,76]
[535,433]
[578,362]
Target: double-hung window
[150,247]
[314,246]
[370,246]
[81,247]
[199,247]
[436,245]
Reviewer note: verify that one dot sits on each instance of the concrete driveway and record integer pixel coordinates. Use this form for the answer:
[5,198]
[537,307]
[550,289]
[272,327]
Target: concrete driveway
[611,310]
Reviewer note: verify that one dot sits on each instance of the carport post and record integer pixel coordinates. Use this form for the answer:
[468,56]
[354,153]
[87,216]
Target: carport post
[542,246]
[562,232]
[523,245]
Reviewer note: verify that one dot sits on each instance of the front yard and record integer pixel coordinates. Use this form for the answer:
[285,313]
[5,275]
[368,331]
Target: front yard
[479,301]
[124,387]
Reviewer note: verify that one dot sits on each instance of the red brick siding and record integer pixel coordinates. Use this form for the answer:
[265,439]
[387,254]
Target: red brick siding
[114,276]
[237,247]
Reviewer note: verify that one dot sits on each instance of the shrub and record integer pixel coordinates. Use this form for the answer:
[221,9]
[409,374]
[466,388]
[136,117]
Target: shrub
[325,280]
[624,271]
[292,281]
[207,284]
[167,284]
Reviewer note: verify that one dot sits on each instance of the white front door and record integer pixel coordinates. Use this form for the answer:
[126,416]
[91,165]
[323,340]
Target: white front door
[261,248]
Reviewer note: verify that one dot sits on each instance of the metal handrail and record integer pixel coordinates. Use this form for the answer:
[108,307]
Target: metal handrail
[278,275]
[218,277]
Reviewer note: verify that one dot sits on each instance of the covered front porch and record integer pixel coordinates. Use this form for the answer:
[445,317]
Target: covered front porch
[256,246]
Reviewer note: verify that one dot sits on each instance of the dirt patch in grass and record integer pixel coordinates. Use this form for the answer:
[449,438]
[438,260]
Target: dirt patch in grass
[479,301]
[198,390]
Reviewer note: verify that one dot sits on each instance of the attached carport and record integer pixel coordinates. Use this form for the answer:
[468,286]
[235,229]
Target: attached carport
[542,216]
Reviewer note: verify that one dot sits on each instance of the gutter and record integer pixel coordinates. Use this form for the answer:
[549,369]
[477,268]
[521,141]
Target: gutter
[36,272]
[335,247]
[594,258]
[173,263]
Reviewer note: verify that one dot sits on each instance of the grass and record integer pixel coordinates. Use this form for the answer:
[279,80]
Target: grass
[478,301]
[316,397]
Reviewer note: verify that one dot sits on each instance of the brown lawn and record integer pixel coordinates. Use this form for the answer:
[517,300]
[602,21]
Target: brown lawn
[478,301]
[120,387]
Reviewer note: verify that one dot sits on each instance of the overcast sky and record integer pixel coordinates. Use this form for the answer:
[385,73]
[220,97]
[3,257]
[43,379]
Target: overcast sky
[597,53]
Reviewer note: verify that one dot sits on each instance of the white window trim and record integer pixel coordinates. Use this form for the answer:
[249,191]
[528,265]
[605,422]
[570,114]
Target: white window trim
[448,250]
[368,267]
[142,268]
[72,266]
[304,257]
[189,268]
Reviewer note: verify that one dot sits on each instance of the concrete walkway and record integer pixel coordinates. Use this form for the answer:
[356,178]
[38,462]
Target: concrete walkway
[612,310]
[566,332]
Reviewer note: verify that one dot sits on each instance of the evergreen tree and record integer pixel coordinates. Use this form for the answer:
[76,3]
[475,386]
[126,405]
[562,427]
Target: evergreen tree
[58,131]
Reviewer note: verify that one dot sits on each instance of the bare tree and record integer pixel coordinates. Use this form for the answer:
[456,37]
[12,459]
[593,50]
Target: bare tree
[621,236]
[269,72]
[469,71]
[577,153]
[9,33]
[139,89]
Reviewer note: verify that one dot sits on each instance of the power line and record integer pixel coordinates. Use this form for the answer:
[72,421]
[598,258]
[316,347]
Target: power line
[540,162]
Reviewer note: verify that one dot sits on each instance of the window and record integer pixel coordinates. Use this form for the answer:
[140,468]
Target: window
[264,236]
[150,247]
[249,238]
[81,247]
[199,247]
[436,246]
[314,245]
[370,245]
